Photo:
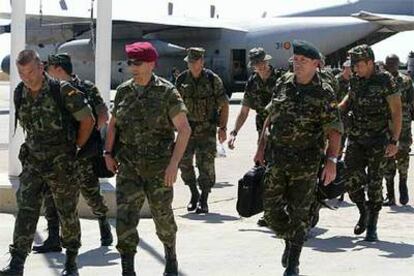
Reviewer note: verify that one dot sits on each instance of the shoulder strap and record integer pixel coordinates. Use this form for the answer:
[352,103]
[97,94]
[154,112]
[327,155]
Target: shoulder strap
[210,77]
[56,94]
[180,79]
[17,99]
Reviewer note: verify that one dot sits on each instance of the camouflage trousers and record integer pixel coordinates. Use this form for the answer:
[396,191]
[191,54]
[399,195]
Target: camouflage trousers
[89,188]
[289,192]
[400,162]
[57,175]
[365,166]
[203,147]
[131,191]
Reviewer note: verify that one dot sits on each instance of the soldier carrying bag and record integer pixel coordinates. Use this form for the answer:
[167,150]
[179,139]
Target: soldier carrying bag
[94,146]
[250,192]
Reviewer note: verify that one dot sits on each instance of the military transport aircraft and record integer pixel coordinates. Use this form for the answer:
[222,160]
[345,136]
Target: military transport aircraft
[333,30]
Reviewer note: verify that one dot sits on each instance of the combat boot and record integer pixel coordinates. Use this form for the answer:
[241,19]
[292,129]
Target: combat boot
[403,191]
[195,196]
[390,200]
[52,243]
[285,254]
[71,268]
[361,225]
[292,268]
[105,229]
[16,265]
[202,207]
[127,263]
[171,264]
[371,235]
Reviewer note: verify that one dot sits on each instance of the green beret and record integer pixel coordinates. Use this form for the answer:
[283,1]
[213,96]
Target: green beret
[361,52]
[306,49]
[59,59]
[194,53]
[257,55]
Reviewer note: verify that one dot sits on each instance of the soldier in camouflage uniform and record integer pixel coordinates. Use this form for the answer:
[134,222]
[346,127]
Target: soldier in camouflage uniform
[402,158]
[372,101]
[257,95]
[343,80]
[48,157]
[147,109]
[60,67]
[208,106]
[302,114]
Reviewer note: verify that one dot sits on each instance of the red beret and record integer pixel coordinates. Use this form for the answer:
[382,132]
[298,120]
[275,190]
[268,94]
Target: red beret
[141,51]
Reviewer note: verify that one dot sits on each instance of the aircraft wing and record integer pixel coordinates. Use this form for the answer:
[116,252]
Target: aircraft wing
[56,29]
[390,22]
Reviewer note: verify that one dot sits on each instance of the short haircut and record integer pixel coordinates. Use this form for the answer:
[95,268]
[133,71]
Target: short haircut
[27,56]
[67,67]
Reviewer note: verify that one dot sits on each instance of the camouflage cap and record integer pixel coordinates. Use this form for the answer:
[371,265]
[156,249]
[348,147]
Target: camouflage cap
[361,52]
[194,53]
[57,59]
[306,49]
[257,55]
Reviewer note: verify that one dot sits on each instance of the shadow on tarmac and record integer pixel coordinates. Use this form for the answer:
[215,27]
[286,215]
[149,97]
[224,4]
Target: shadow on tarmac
[401,209]
[209,218]
[220,185]
[347,243]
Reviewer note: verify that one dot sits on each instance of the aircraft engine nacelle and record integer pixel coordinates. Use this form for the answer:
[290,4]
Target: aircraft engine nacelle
[83,57]
[5,65]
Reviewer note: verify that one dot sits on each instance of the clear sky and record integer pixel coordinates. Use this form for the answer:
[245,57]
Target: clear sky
[400,44]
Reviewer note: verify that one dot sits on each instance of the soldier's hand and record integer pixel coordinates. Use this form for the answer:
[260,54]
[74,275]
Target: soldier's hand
[391,150]
[170,175]
[329,172]
[259,157]
[231,142]
[111,164]
[222,135]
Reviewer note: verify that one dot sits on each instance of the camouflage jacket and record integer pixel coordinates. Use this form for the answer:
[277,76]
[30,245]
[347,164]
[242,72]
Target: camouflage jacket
[343,86]
[143,119]
[258,93]
[203,97]
[368,105]
[301,115]
[405,87]
[42,119]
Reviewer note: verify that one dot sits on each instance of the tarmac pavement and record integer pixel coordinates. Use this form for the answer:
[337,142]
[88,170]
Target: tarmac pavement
[221,243]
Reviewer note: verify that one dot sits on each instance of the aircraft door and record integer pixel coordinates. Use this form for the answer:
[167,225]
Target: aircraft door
[239,70]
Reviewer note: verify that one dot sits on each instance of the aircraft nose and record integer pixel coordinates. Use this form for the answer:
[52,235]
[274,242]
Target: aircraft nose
[5,65]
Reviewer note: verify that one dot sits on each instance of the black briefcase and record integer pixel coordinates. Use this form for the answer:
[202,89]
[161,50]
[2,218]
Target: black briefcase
[250,192]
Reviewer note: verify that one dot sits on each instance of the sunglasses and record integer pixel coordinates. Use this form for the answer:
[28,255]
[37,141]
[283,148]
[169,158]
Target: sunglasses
[134,62]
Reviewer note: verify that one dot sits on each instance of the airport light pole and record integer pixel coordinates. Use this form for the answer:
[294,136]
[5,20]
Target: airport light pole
[103,48]
[18,41]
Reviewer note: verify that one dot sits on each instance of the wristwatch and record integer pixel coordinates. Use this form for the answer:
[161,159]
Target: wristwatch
[107,152]
[233,132]
[78,149]
[333,159]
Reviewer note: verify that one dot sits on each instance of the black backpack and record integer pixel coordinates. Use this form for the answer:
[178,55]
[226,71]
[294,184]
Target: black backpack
[250,192]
